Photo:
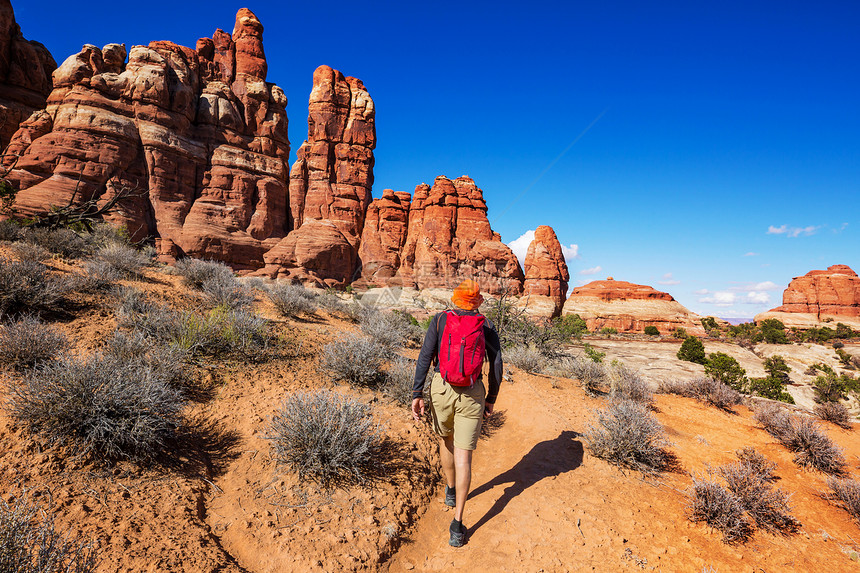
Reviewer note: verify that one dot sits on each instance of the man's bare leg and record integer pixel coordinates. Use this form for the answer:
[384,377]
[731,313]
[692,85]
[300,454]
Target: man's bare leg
[463,472]
[446,452]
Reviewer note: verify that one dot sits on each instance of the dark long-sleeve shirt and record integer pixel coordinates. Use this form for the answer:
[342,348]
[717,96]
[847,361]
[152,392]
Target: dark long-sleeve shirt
[430,353]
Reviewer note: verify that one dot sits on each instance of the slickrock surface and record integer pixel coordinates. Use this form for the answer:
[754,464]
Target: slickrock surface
[546,273]
[25,74]
[629,307]
[199,135]
[818,297]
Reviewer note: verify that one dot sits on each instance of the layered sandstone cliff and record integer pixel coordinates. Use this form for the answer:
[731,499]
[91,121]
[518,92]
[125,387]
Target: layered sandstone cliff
[195,138]
[818,297]
[25,75]
[445,239]
[546,274]
[630,307]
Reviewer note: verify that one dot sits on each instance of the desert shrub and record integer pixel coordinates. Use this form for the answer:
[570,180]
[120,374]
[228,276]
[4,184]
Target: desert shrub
[692,350]
[63,242]
[100,405]
[608,330]
[757,463]
[30,542]
[704,389]
[847,492]
[136,312]
[832,387]
[165,361]
[844,358]
[593,354]
[725,369]
[652,330]
[773,331]
[767,506]
[98,276]
[802,436]
[291,300]
[570,326]
[195,272]
[834,412]
[27,286]
[747,334]
[709,323]
[9,230]
[590,374]
[837,345]
[222,289]
[843,331]
[103,234]
[27,342]
[125,261]
[329,301]
[516,328]
[30,252]
[398,380]
[355,359]
[822,334]
[713,504]
[525,358]
[390,329]
[679,333]
[326,437]
[628,435]
[770,387]
[627,384]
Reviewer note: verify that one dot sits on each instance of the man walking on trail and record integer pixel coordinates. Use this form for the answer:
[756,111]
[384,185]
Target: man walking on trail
[456,343]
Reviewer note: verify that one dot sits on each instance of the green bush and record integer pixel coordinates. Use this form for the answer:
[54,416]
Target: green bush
[709,323]
[724,368]
[593,354]
[844,358]
[679,333]
[832,387]
[771,388]
[570,326]
[773,331]
[843,331]
[692,350]
[608,330]
[652,330]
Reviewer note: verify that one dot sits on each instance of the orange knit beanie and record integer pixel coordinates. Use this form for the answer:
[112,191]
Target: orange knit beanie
[468,295]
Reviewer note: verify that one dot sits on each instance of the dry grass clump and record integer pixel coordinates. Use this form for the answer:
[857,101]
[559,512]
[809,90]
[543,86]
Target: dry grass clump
[393,330]
[589,373]
[120,261]
[100,405]
[291,300]
[30,252]
[767,506]
[762,466]
[28,341]
[195,272]
[27,286]
[834,412]
[9,230]
[398,380]
[326,437]
[719,508]
[217,281]
[627,384]
[63,242]
[628,435]
[355,359]
[847,492]
[167,362]
[30,543]
[704,389]
[525,358]
[802,436]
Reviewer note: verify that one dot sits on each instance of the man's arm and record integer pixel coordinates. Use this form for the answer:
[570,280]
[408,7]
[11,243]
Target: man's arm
[425,358]
[494,356]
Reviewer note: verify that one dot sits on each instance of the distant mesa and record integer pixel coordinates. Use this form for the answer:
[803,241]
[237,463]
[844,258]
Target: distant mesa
[819,297]
[630,307]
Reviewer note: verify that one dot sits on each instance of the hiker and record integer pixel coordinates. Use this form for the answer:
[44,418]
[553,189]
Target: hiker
[456,342]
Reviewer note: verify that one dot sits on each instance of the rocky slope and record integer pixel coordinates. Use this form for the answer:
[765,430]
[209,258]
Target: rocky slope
[629,307]
[25,75]
[546,274]
[818,297]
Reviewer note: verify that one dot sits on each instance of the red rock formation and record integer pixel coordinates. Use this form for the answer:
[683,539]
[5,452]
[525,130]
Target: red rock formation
[546,273]
[384,236]
[834,292]
[199,135]
[629,307]
[25,75]
[449,239]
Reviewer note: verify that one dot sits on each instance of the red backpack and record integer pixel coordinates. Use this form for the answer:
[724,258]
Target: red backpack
[461,355]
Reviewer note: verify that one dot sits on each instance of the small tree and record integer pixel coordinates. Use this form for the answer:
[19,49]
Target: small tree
[727,370]
[651,330]
[776,367]
[843,330]
[570,326]
[692,350]
[832,387]
[773,331]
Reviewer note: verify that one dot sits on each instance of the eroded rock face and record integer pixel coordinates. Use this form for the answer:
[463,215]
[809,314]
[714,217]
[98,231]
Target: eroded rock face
[384,236]
[546,274]
[198,135]
[629,307]
[834,292]
[25,75]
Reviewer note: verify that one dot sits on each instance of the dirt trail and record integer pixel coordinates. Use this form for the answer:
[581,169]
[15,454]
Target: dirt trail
[540,503]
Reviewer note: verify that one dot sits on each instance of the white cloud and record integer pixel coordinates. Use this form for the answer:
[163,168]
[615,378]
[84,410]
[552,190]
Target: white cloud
[766,285]
[591,271]
[841,228]
[669,280]
[750,254]
[793,232]
[757,297]
[720,298]
[520,246]
[729,298]
[702,291]
[570,252]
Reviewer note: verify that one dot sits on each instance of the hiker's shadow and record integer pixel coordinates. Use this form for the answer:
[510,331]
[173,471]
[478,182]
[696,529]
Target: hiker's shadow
[547,459]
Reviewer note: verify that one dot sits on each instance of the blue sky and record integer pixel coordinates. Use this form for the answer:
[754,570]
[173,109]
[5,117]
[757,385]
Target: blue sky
[709,151]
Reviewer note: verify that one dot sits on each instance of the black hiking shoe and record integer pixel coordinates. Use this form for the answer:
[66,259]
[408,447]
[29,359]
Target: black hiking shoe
[458,534]
[450,496]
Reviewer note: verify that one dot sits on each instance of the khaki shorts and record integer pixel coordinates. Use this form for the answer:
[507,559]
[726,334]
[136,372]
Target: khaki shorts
[457,410]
